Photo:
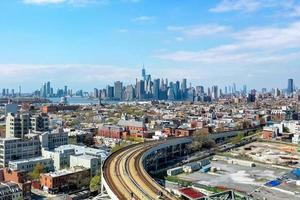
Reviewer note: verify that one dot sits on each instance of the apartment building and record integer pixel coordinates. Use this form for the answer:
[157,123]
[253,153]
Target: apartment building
[61,155]
[17,125]
[20,124]
[11,191]
[90,162]
[39,122]
[15,148]
[27,165]
[51,140]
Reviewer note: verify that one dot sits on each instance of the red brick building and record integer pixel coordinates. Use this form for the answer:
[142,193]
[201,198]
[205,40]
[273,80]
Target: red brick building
[184,132]
[56,108]
[110,131]
[132,125]
[19,178]
[66,180]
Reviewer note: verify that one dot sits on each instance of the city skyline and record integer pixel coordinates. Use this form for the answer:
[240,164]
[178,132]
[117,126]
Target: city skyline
[147,87]
[209,42]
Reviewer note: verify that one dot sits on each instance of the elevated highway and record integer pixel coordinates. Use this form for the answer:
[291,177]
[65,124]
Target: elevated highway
[125,172]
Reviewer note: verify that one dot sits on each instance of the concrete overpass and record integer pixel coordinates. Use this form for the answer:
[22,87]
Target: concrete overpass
[125,172]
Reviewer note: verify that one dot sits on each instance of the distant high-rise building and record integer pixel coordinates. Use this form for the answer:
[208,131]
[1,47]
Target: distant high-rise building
[244,89]
[233,88]
[156,89]
[184,88]
[118,90]
[290,88]
[110,92]
[96,93]
[276,92]
[252,96]
[140,90]
[129,93]
[44,90]
[48,89]
[144,73]
[176,90]
[215,94]
[66,90]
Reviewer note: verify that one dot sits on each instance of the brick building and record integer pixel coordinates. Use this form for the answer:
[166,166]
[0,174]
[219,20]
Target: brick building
[56,108]
[19,178]
[132,125]
[111,131]
[66,180]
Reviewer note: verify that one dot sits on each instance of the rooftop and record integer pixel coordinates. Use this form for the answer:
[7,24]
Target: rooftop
[37,159]
[64,172]
[191,193]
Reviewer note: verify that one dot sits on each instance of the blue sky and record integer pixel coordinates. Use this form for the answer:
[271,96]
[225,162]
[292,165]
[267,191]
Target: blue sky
[91,43]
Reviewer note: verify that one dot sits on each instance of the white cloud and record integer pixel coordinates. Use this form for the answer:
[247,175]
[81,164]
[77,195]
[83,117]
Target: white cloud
[69,2]
[80,74]
[143,19]
[199,30]
[249,46]
[237,5]
[43,1]
[288,8]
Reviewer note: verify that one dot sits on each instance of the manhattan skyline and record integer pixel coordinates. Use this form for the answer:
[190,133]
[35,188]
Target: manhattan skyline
[85,43]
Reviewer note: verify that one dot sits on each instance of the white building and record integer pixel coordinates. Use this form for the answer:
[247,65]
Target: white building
[28,165]
[296,139]
[20,124]
[51,140]
[61,155]
[15,148]
[90,162]
[293,126]
[17,125]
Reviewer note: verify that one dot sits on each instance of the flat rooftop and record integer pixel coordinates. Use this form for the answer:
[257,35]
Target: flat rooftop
[35,159]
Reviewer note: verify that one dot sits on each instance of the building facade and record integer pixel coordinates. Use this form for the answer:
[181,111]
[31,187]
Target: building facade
[15,148]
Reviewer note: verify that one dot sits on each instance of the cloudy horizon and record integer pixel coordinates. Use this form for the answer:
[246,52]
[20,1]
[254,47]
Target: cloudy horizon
[91,43]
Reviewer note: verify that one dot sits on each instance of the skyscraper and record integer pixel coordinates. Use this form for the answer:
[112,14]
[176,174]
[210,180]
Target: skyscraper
[233,88]
[184,88]
[290,88]
[156,90]
[144,73]
[215,94]
[140,90]
[244,89]
[110,92]
[118,93]
[48,89]
[96,93]
[66,90]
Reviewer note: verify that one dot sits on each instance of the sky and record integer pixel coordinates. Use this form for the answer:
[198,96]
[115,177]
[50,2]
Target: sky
[91,43]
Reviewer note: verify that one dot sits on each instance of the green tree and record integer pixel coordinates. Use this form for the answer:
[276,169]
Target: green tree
[237,139]
[201,141]
[286,130]
[38,169]
[95,183]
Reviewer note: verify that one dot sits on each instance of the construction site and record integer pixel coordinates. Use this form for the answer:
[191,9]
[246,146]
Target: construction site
[287,155]
[260,170]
